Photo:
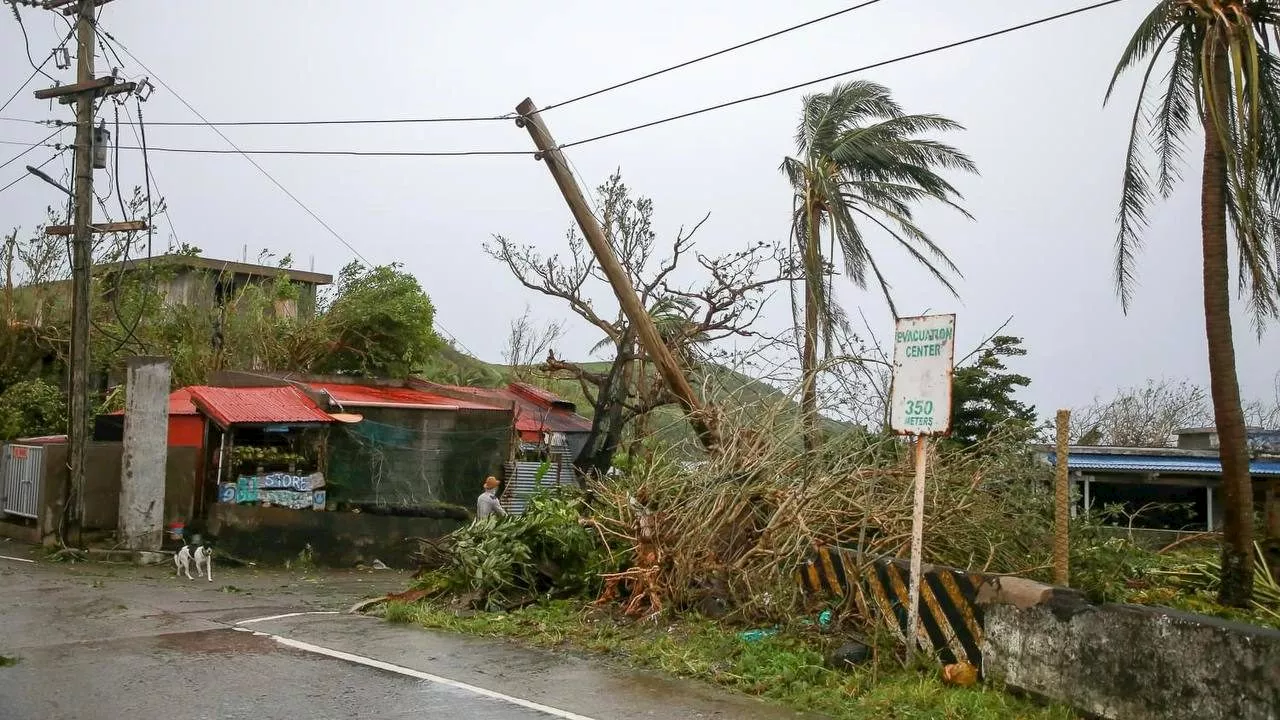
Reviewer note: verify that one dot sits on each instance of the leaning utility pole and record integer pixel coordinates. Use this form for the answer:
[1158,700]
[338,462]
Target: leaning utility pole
[672,374]
[86,89]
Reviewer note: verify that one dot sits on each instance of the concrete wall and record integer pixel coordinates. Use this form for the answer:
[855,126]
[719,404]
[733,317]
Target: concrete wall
[1126,661]
[337,539]
[102,486]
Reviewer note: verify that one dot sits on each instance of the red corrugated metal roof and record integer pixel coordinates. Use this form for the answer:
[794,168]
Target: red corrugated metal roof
[257,406]
[179,403]
[382,396]
[539,395]
[534,411]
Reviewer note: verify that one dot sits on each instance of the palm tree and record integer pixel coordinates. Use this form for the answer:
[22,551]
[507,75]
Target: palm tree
[861,164]
[1223,78]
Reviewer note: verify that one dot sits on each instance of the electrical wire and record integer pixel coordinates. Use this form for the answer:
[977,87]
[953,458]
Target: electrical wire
[32,146]
[826,78]
[26,175]
[26,41]
[261,169]
[708,56]
[33,72]
[150,176]
[336,153]
[380,121]
[509,116]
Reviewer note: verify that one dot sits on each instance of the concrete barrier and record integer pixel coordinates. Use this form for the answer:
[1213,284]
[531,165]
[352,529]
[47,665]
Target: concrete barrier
[1126,662]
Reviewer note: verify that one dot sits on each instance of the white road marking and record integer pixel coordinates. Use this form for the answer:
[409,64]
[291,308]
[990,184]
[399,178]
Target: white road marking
[286,615]
[410,672]
[25,560]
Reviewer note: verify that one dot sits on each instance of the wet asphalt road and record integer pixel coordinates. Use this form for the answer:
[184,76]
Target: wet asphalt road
[106,642]
[221,674]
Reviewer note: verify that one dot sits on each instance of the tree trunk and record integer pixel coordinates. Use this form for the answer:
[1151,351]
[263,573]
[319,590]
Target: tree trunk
[602,442]
[1237,488]
[809,356]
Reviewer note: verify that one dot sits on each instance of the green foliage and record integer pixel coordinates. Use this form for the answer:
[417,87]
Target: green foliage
[31,408]
[544,552]
[787,667]
[1109,567]
[1181,48]
[379,323]
[862,165]
[982,394]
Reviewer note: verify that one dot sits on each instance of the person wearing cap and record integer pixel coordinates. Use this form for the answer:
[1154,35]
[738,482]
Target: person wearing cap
[488,504]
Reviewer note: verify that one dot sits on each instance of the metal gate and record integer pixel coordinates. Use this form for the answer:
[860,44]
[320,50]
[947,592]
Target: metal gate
[22,470]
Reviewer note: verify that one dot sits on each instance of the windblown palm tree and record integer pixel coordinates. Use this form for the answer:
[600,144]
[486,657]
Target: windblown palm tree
[861,165]
[1222,79]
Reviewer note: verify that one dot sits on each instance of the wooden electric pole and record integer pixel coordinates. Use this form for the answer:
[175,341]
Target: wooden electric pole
[86,89]
[1061,501]
[650,339]
[81,257]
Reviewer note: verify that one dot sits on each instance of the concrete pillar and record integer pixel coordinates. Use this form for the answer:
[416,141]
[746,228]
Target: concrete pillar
[146,446]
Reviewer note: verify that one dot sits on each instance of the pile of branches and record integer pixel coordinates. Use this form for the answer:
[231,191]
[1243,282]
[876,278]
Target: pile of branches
[503,563]
[733,530]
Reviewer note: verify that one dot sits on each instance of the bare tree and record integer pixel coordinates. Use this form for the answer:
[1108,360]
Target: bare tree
[528,342]
[725,303]
[1142,416]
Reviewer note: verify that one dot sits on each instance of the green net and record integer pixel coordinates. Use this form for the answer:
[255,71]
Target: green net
[416,459]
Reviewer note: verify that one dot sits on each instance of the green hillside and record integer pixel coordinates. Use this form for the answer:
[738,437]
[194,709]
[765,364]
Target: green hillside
[732,390]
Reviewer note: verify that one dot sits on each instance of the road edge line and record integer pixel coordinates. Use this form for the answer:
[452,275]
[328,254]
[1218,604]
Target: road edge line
[286,615]
[410,672]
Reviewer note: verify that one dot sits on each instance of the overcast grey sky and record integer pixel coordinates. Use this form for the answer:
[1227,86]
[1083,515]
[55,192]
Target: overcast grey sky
[1040,249]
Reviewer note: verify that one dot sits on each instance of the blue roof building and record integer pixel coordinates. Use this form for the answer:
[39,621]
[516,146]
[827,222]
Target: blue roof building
[1178,487]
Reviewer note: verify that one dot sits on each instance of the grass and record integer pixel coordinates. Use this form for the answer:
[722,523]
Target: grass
[6,661]
[788,667]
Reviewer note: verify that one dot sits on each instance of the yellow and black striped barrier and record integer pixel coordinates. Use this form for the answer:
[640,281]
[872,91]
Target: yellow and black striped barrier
[950,619]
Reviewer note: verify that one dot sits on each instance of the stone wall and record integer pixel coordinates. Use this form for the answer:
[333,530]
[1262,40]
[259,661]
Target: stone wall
[1127,662]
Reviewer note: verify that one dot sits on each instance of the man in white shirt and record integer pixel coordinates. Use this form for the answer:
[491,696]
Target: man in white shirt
[488,504]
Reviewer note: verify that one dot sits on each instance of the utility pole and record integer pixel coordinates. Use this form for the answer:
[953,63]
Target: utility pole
[86,89]
[668,368]
[81,258]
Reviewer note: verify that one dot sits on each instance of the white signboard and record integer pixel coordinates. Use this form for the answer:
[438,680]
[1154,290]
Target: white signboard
[923,352]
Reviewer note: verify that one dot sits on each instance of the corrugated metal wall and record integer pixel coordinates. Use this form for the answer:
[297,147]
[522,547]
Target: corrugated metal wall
[22,470]
[522,481]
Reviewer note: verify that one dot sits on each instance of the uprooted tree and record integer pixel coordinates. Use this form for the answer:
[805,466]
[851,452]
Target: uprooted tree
[724,303]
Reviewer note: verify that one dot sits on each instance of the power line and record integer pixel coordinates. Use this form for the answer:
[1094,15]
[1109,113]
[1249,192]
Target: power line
[882,63]
[379,121]
[32,146]
[236,150]
[294,198]
[511,116]
[339,153]
[34,72]
[681,116]
[26,41]
[708,56]
[26,175]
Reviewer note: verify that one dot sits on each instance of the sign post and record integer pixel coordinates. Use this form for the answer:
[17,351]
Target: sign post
[920,405]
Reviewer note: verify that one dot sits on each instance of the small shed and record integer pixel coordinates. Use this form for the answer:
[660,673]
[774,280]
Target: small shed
[264,445]
[186,426]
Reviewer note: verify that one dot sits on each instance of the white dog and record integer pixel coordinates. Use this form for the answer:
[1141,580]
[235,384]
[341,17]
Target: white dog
[201,556]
